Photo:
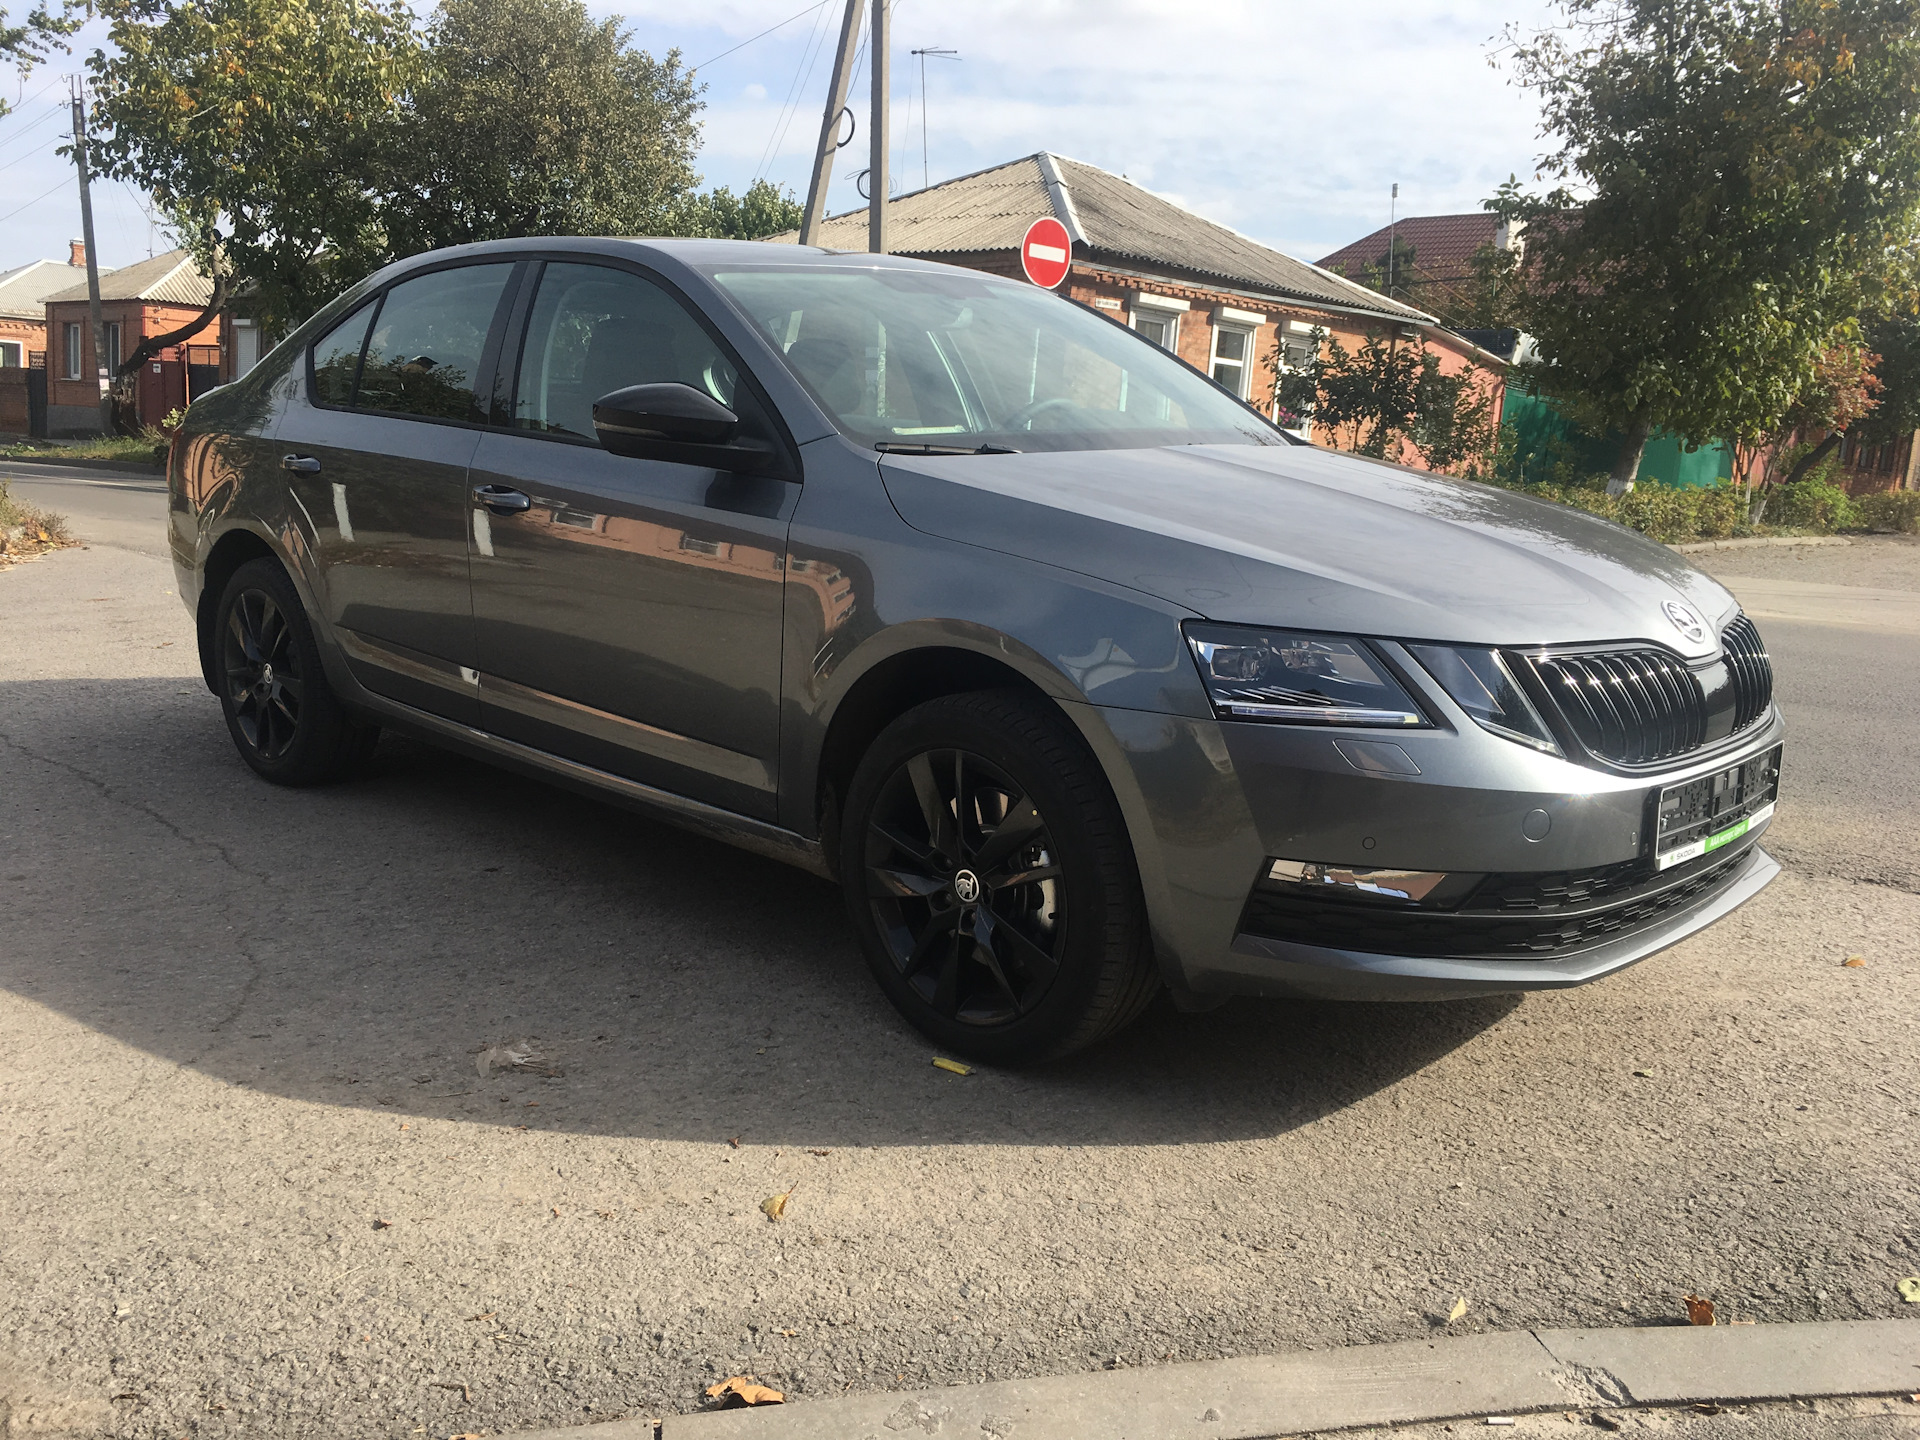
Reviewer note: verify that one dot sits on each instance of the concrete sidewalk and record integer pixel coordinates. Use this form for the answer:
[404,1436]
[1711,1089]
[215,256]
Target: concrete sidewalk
[1441,1379]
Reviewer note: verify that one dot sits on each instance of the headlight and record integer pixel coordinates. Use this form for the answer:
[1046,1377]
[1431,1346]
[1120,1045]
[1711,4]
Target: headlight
[1298,678]
[1480,684]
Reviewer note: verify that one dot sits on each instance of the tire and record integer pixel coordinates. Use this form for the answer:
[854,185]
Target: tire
[1007,973]
[284,718]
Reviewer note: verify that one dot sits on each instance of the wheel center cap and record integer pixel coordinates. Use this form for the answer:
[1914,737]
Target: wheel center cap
[966,887]
[266,674]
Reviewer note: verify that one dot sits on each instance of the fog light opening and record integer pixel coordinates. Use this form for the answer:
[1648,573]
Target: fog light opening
[1412,886]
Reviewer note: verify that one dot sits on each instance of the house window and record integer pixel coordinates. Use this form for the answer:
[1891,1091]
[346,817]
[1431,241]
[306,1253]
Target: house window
[9,355]
[1232,357]
[74,358]
[112,327]
[1158,318]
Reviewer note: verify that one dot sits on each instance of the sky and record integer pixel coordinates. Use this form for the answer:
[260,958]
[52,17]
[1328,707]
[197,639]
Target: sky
[1287,120]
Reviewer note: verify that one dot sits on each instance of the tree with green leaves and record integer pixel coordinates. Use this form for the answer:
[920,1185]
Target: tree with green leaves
[1387,394]
[763,210]
[39,33]
[1740,179]
[533,118]
[265,131]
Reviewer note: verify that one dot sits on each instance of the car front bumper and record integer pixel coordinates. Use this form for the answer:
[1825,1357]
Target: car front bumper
[1210,805]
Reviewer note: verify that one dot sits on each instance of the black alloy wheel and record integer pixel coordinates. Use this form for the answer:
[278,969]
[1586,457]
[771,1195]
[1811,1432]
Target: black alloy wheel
[966,888]
[261,660]
[990,879]
[262,670]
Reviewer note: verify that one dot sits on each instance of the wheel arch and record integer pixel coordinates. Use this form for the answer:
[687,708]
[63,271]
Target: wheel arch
[235,548]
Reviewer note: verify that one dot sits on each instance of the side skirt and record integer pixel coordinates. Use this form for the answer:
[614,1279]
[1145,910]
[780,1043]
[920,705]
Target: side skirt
[738,830]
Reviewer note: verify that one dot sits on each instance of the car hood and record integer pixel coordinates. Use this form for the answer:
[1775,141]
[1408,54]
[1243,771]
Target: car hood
[1312,538]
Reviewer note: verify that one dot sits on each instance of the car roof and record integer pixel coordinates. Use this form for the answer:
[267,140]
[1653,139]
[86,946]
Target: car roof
[694,253]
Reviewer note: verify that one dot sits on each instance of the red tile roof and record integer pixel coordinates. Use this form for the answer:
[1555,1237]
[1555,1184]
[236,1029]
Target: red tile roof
[1442,245]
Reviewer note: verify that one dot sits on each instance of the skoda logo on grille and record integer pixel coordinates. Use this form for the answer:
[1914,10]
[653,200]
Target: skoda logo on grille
[1686,622]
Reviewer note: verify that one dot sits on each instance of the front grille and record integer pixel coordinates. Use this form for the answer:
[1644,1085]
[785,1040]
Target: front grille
[1509,917]
[1633,707]
[1752,671]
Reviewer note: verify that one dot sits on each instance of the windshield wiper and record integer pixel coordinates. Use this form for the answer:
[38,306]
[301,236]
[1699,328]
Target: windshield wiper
[900,447]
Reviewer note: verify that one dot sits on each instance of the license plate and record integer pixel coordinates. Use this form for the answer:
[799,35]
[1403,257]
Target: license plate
[1702,815]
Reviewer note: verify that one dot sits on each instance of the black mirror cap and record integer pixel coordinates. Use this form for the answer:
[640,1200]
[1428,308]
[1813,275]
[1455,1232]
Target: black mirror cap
[675,422]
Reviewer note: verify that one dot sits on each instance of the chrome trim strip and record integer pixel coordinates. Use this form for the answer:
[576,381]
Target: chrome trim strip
[758,836]
[400,660]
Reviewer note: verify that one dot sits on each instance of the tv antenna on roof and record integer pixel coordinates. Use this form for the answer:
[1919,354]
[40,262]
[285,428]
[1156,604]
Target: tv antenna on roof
[942,53]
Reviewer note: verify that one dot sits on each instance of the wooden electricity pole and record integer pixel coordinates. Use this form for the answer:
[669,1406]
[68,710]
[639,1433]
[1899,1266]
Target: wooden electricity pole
[93,262]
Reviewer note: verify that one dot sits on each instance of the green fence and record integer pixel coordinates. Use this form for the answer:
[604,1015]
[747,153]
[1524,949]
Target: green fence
[1544,435]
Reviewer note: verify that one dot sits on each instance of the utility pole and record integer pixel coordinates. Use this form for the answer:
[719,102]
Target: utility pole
[877,134]
[830,142]
[1393,219]
[926,172]
[93,260]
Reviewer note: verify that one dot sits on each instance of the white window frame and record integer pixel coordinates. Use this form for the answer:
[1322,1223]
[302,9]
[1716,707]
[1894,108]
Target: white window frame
[1161,309]
[76,351]
[13,354]
[1228,320]
[115,351]
[1296,329]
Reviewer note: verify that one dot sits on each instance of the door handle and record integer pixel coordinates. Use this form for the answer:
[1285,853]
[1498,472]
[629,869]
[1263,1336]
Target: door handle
[502,499]
[300,464]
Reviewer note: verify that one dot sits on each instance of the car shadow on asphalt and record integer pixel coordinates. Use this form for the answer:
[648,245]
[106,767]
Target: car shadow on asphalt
[357,945]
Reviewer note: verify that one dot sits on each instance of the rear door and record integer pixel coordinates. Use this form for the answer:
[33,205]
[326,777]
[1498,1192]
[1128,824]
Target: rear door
[377,455]
[628,616]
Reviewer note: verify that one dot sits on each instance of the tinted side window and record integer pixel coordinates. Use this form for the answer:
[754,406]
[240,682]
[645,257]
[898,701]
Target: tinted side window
[336,357]
[595,330]
[423,357]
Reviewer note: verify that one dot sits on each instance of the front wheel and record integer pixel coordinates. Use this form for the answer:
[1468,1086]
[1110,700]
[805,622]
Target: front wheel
[284,718]
[988,874]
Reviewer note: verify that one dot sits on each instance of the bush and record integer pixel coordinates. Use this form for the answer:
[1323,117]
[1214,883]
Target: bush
[1672,513]
[1897,511]
[1812,505]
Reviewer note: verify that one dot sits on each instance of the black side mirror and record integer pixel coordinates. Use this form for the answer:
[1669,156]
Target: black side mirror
[676,422]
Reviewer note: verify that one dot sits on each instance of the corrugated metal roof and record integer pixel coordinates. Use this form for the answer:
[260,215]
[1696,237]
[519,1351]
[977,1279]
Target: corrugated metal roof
[169,279]
[25,289]
[991,210]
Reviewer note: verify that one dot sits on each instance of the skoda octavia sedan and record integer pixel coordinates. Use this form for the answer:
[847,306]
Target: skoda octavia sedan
[1079,677]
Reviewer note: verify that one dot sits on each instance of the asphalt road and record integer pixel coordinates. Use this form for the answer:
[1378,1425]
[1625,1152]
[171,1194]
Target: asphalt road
[253,1185]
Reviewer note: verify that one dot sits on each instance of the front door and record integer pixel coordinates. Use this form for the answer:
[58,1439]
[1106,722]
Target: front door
[629,615]
[378,456]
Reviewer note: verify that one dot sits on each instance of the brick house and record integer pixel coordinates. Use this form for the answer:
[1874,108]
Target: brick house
[150,298]
[1436,251]
[1224,303]
[23,336]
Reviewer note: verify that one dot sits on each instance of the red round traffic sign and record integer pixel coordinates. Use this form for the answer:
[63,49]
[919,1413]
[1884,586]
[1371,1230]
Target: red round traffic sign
[1046,254]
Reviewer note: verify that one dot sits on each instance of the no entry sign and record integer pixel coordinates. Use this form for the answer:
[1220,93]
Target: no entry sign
[1046,254]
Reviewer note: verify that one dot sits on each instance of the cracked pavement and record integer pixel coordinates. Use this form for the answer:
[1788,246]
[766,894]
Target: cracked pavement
[255,1186]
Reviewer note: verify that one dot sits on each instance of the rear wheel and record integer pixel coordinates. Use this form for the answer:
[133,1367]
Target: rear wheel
[988,874]
[284,718]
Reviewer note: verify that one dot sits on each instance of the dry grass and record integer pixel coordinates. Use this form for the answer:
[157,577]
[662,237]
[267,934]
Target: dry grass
[27,531]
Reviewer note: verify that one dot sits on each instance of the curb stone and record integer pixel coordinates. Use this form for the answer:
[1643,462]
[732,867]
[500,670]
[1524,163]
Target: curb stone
[1445,1378]
[1696,545]
[65,462]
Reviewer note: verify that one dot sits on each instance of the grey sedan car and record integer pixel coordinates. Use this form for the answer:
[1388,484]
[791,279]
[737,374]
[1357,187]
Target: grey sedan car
[1080,677]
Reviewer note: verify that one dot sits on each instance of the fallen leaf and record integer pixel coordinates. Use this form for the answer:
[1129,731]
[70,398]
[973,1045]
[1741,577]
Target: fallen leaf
[776,1205]
[556,1212]
[821,1153]
[383,1224]
[507,1057]
[1699,1312]
[738,1390]
[954,1065]
[604,1214]
[1909,1289]
[488,1316]
[734,1142]
[45,538]
[789,1333]
[1853,962]
[1459,1309]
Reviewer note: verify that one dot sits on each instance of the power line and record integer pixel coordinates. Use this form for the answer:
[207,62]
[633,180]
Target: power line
[796,94]
[21,104]
[53,114]
[58,185]
[761,36]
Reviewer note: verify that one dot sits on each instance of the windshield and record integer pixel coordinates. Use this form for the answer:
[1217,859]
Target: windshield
[952,361]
